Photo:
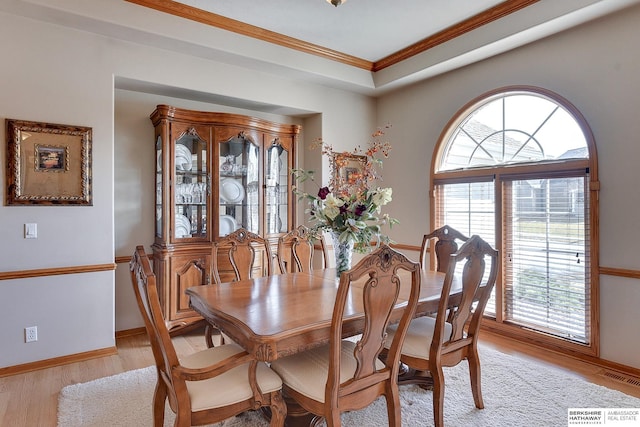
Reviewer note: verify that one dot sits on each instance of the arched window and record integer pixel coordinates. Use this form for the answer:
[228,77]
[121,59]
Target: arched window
[517,166]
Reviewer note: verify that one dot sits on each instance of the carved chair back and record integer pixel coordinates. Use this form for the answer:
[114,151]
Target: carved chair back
[328,252]
[444,246]
[241,248]
[465,313]
[296,250]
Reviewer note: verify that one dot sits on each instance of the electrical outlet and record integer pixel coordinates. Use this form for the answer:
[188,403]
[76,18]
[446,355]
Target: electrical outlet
[31,334]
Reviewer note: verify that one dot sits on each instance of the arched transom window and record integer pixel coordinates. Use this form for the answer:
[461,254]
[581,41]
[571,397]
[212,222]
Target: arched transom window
[517,166]
[511,128]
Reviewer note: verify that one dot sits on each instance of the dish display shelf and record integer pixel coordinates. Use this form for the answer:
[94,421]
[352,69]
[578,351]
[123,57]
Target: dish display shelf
[215,173]
[182,193]
[241,179]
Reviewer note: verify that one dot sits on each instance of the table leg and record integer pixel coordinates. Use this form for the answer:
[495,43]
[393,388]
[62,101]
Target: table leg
[297,416]
[408,375]
[412,376]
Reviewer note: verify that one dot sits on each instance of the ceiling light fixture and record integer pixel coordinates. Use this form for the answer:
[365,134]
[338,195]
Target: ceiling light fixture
[336,3]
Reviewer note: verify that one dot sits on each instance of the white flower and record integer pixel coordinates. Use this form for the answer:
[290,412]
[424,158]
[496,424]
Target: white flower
[331,212]
[332,201]
[332,206]
[382,196]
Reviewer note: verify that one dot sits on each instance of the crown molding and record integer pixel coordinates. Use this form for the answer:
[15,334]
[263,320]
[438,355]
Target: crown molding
[239,27]
[192,13]
[499,11]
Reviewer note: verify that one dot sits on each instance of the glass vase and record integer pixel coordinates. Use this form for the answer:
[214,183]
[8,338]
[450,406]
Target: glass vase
[343,252]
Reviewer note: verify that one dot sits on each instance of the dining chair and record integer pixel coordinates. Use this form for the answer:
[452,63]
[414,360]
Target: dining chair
[296,250]
[450,337]
[445,244]
[240,249]
[207,386]
[328,252]
[344,375]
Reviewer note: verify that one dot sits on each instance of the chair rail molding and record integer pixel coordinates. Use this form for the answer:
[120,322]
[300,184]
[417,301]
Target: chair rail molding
[56,271]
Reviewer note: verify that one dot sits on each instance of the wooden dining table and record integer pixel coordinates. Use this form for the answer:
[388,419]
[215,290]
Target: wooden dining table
[276,316]
[279,315]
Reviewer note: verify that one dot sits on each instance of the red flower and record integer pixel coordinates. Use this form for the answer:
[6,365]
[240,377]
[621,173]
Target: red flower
[323,193]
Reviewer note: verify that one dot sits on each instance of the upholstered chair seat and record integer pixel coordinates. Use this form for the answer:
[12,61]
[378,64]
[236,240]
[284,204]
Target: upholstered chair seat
[420,332]
[307,372]
[232,386]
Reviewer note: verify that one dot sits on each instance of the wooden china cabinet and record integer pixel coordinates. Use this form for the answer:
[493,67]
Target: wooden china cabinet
[215,173]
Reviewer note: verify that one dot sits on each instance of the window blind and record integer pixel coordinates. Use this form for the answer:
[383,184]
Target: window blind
[469,208]
[546,244]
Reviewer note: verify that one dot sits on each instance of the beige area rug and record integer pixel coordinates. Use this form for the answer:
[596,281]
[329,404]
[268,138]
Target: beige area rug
[517,392]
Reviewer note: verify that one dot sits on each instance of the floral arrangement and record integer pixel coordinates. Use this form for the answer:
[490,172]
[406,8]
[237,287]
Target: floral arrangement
[353,208]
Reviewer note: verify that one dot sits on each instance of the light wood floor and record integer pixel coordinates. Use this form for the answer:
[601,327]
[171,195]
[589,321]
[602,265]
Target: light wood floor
[31,399]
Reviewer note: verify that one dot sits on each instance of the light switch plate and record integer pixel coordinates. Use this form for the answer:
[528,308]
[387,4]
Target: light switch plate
[31,231]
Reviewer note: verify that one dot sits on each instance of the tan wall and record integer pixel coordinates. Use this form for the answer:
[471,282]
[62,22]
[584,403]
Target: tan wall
[59,75]
[595,67]
[54,74]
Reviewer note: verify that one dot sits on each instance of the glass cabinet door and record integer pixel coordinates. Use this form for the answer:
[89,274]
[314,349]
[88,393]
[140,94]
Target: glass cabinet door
[276,188]
[239,185]
[159,186]
[192,187]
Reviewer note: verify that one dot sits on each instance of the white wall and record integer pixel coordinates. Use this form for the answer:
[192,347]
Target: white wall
[596,67]
[59,75]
